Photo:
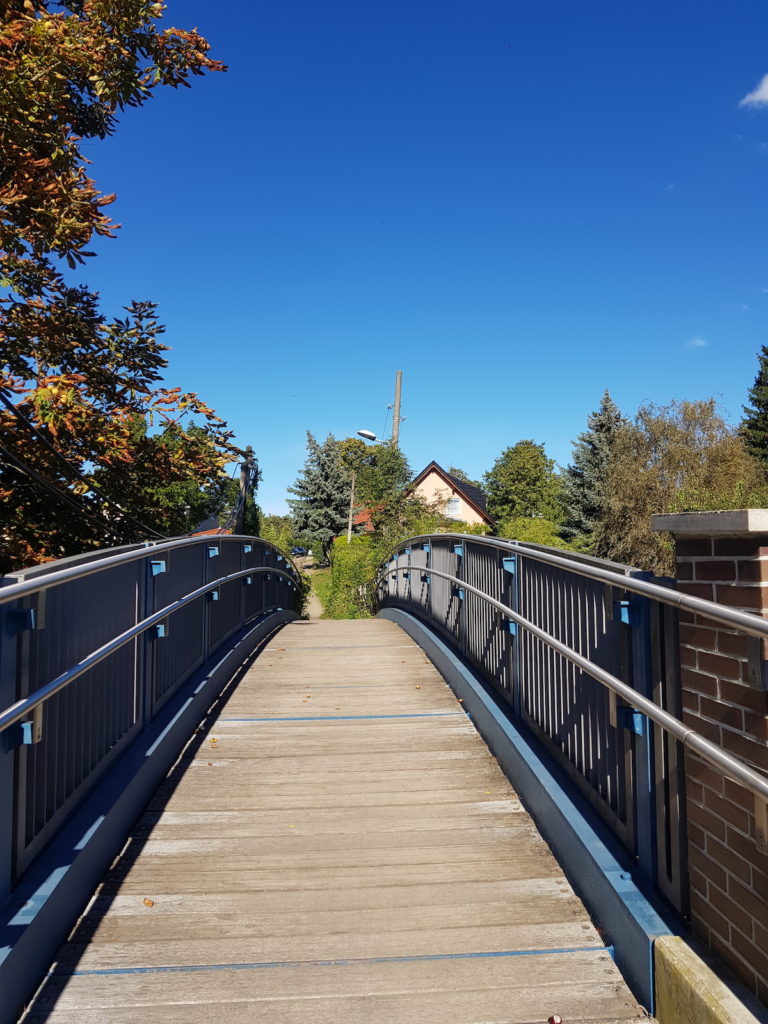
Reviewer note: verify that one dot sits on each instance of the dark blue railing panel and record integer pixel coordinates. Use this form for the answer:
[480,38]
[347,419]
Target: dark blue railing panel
[77,650]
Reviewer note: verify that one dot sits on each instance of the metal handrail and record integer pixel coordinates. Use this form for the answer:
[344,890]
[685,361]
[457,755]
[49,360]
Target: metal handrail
[15,591]
[731,767]
[21,709]
[748,622]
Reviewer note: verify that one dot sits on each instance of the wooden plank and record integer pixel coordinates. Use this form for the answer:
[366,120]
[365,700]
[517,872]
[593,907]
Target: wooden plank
[365,861]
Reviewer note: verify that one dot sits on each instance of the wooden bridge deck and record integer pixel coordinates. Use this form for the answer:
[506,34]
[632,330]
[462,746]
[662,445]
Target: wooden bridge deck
[337,846]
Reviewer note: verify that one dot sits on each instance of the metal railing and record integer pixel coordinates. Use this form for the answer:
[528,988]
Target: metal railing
[586,654]
[92,648]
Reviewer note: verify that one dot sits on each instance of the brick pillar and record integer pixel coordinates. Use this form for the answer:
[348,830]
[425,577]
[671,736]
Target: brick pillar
[723,556]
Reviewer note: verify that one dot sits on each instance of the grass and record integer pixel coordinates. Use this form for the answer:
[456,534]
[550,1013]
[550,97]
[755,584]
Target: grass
[321,585]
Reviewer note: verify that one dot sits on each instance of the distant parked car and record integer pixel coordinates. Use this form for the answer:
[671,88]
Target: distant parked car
[298,551]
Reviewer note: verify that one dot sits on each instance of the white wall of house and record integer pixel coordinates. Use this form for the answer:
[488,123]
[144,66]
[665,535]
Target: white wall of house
[434,488]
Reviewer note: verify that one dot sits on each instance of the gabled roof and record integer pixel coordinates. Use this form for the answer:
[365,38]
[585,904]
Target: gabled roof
[474,496]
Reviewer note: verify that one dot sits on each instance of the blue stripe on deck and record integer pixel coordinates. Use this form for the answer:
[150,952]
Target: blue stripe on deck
[345,718]
[181,968]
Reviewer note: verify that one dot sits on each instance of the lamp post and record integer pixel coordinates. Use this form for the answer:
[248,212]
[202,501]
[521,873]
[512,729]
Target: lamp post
[351,508]
[369,435]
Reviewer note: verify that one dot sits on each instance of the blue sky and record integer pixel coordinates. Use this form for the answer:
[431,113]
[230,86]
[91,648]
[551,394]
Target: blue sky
[516,204]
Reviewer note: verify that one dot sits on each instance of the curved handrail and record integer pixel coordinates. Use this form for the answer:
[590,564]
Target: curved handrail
[36,584]
[733,768]
[748,622]
[16,712]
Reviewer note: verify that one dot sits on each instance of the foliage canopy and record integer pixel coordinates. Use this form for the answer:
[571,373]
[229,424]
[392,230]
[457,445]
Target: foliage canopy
[84,414]
[682,457]
[522,483]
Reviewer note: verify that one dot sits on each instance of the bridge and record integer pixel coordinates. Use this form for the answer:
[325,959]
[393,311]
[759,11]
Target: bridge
[496,801]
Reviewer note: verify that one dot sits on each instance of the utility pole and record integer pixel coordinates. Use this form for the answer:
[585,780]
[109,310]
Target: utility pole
[245,486]
[396,418]
[351,509]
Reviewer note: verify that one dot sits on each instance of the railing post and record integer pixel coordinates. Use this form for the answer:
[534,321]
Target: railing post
[643,764]
[8,649]
[461,618]
[512,565]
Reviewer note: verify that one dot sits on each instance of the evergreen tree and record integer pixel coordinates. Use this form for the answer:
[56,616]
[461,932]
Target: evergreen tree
[583,482]
[321,506]
[754,426]
[522,482]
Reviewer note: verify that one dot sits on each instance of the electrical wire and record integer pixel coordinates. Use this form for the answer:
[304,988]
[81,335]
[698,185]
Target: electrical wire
[62,495]
[72,471]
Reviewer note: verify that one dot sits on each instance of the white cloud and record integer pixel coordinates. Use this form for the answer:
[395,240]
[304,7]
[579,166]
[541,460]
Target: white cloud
[696,343]
[669,188]
[743,307]
[758,97]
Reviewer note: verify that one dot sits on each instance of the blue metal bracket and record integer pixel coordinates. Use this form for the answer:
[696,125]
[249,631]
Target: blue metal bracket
[248,581]
[213,550]
[158,566]
[406,551]
[458,592]
[426,578]
[458,549]
[510,625]
[21,619]
[406,575]
[509,564]
[624,612]
[247,549]
[161,630]
[213,595]
[426,547]
[632,719]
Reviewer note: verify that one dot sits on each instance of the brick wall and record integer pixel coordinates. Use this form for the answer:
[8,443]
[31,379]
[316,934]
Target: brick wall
[724,700]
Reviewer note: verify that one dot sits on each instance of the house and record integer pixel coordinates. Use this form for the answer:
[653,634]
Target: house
[461,501]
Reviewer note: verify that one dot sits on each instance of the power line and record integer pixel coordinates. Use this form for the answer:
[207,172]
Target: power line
[72,471]
[62,495]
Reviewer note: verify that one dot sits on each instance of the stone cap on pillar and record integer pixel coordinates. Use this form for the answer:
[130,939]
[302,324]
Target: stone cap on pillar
[738,522]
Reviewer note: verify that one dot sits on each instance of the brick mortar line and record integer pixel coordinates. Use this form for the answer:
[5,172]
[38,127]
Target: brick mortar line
[754,915]
[734,559]
[734,951]
[726,799]
[733,732]
[722,867]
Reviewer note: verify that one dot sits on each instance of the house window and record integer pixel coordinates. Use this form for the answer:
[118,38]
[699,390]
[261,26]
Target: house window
[452,506]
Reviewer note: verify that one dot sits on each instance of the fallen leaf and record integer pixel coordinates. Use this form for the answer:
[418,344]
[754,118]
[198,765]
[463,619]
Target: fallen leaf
[148,902]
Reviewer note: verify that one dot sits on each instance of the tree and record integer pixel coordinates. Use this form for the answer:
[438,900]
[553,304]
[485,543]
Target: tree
[583,481]
[754,426]
[522,482]
[461,475]
[80,433]
[320,509]
[682,457]
[278,530]
[381,471]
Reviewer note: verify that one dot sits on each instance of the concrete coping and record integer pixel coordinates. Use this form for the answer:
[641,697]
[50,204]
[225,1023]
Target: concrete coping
[730,522]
